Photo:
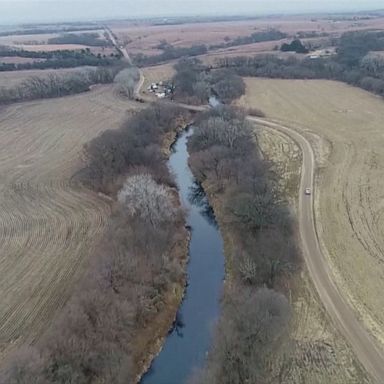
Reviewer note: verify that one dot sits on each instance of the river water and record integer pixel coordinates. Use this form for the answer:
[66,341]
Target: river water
[187,344]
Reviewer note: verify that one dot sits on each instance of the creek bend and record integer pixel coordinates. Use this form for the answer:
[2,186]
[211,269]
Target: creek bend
[187,344]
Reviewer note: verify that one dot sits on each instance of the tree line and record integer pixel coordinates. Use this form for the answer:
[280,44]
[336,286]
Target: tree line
[56,59]
[255,319]
[53,85]
[358,62]
[134,269]
[171,52]
[43,31]
[256,37]
[91,39]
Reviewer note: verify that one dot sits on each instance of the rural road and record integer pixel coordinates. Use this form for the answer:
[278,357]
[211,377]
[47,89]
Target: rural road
[364,346]
[344,317]
[125,53]
[117,46]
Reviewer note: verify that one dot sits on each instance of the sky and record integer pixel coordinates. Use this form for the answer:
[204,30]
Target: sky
[23,11]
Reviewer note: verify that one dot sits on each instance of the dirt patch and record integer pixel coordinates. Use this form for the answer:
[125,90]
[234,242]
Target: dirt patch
[348,200]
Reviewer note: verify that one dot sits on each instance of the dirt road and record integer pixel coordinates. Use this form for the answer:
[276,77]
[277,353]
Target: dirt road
[125,53]
[371,357]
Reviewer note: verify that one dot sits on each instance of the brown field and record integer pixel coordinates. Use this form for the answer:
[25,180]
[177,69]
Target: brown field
[322,355]
[145,37]
[48,221]
[345,125]
[13,78]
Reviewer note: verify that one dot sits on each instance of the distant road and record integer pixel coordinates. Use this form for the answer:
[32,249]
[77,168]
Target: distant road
[344,317]
[121,48]
[125,54]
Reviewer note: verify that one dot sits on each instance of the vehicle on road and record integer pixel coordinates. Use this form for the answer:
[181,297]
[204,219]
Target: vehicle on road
[307,191]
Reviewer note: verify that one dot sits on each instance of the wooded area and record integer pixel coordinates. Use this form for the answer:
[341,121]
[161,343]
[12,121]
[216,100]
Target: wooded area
[91,39]
[194,83]
[41,87]
[358,62]
[134,274]
[255,313]
[56,59]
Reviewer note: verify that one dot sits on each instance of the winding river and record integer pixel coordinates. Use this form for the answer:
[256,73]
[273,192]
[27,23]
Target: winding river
[188,342]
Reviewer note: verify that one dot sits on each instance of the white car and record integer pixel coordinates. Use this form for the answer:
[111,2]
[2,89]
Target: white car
[307,191]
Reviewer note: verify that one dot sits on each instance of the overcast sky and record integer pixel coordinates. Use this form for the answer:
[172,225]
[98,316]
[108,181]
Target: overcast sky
[15,11]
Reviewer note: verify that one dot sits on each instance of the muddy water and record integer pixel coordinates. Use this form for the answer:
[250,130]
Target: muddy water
[186,346]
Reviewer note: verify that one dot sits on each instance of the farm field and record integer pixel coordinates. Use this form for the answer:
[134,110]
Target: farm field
[48,222]
[144,37]
[345,126]
[13,78]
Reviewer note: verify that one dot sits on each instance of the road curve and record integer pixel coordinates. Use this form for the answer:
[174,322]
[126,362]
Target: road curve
[345,318]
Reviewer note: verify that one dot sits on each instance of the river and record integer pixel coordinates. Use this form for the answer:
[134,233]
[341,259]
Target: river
[186,347]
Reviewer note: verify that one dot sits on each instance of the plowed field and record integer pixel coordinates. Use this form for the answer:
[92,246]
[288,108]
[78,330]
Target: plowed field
[48,222]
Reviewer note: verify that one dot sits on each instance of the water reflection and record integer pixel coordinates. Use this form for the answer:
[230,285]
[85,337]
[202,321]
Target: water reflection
[188,341]
[198,198]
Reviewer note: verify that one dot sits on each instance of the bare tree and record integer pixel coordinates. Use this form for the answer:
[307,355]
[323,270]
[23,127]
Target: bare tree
[126,81]
[252,327]
[143,197]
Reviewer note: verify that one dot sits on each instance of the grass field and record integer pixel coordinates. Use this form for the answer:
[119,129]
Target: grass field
[345,125]
[48,222]
[322,355]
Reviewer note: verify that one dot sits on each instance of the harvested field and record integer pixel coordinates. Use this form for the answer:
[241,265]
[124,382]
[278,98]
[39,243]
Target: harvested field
[145,37]
[345,125]
[13,78]
[48,221]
